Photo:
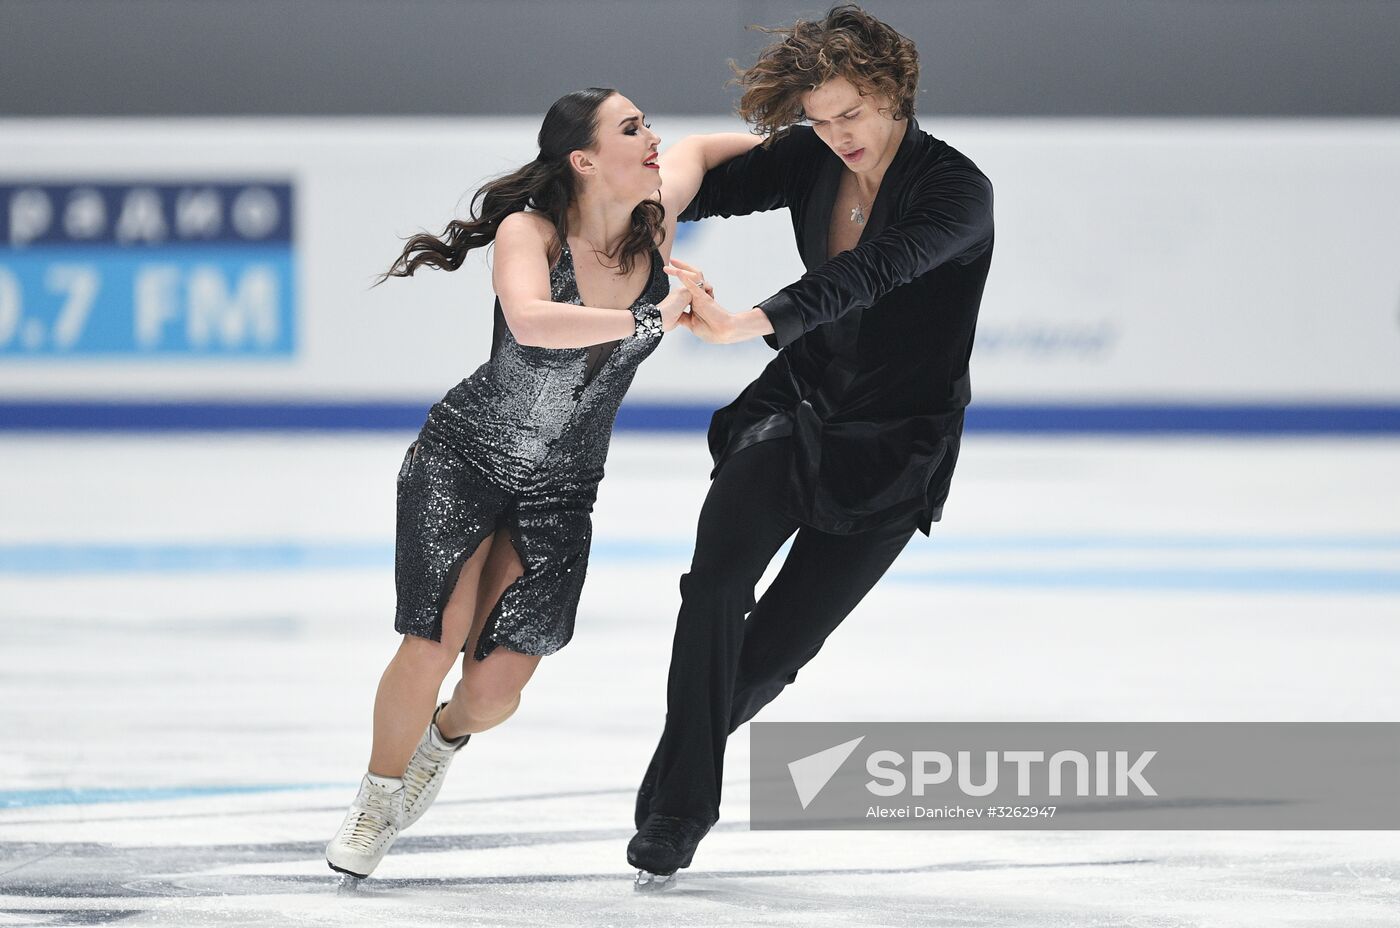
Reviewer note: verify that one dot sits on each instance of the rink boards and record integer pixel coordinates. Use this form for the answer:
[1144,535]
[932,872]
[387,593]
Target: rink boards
[222,269]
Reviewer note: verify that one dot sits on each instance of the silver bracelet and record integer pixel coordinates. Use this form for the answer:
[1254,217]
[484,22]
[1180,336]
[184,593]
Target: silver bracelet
[648,319]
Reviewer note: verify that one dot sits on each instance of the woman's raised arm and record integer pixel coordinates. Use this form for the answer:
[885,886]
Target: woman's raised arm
[683,168]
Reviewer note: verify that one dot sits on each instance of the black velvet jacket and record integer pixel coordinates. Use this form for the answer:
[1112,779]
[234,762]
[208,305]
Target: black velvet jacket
[872,376]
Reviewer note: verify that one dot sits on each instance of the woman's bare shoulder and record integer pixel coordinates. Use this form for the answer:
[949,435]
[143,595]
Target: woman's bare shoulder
[523,223]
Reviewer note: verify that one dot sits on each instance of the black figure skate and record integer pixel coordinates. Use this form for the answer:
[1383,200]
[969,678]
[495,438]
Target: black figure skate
[663,845]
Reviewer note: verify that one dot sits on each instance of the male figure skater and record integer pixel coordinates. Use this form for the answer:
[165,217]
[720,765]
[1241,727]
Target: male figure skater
[850,434]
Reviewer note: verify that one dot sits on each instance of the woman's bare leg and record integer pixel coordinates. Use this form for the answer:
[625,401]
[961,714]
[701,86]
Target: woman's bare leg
[489,690]
[408,690]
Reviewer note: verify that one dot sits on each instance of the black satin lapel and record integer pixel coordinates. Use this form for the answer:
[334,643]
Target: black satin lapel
[816,226]
[880,209]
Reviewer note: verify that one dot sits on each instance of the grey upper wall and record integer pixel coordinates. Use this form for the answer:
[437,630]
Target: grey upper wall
[450,57]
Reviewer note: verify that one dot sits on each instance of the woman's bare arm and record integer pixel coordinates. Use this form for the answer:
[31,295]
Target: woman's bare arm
[520,277]
[683,167]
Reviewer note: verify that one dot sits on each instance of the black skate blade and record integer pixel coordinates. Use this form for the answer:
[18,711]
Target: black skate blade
[648,882]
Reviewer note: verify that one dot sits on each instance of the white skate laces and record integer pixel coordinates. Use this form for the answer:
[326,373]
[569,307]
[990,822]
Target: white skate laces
[371,825]
[427,768]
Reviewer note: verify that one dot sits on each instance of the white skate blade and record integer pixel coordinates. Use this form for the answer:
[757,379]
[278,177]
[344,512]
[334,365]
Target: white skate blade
[347,884]
[648,882]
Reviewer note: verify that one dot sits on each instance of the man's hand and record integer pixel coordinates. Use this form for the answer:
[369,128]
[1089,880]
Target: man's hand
[710,321]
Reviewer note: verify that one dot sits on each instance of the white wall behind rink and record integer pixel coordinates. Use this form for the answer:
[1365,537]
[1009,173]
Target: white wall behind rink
[1163,260]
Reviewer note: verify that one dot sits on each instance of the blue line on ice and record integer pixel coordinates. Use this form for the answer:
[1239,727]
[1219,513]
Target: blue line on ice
[49,559]
[25,798]
[1192,579]
[176,557]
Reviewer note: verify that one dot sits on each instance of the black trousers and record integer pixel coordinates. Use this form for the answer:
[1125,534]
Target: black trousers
[723,668]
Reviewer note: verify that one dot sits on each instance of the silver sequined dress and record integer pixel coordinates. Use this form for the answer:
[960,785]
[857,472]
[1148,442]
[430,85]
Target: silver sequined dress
[520,443]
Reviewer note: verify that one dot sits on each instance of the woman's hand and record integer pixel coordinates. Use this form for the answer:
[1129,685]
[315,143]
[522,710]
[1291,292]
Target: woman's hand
[673,308]
[710,321]
[699,275]
[707,320]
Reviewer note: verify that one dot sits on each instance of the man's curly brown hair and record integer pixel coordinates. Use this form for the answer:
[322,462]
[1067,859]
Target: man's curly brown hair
[848,42]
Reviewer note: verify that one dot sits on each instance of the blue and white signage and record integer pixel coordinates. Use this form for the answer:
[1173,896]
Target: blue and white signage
[139,269]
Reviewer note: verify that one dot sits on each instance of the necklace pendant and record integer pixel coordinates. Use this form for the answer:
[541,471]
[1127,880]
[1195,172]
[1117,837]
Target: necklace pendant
[858,215]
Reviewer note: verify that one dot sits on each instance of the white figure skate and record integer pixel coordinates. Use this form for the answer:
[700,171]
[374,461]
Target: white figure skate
[427,768]
[370,826]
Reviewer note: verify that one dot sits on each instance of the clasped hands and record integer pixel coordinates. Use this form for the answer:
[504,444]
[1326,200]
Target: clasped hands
[695,308]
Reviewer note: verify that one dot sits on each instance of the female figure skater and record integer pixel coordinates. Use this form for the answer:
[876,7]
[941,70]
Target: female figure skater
[494,495]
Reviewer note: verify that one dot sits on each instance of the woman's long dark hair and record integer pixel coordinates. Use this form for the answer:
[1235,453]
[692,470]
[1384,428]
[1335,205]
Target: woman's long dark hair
[547,184]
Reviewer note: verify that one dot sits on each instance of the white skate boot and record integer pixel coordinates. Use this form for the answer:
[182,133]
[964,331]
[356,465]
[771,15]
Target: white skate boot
[370,826]
[427,768]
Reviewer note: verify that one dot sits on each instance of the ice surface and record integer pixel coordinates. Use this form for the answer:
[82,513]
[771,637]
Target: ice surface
[191,629]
